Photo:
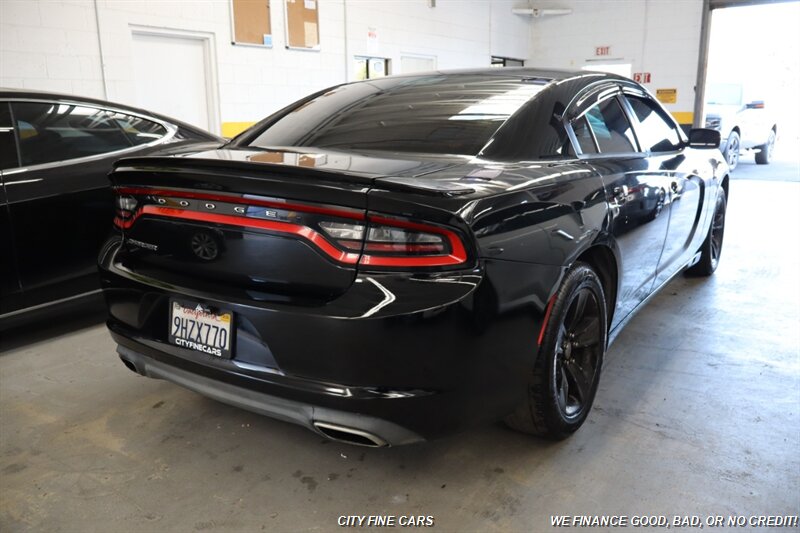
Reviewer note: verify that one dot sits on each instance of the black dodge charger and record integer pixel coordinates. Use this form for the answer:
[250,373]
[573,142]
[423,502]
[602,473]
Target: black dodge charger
[391,260]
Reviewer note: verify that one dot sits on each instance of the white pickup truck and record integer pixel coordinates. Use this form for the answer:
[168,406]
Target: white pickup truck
[743,126]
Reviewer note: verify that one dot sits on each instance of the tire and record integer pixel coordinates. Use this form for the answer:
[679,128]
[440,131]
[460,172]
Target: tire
[563,382]
[732,150]
[711,250]
[764,157]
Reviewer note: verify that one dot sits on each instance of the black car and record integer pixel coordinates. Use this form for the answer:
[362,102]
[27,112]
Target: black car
[392,260]
[56,205]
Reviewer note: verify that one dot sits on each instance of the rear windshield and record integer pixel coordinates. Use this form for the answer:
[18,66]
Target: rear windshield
[432,114]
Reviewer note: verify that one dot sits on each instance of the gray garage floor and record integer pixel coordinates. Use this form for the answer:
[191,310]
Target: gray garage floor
[698,414]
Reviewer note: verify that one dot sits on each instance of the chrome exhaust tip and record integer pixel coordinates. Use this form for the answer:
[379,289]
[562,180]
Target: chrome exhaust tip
[349,435]
[131,366]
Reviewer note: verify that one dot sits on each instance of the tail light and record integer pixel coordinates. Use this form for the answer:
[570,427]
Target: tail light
[345,235]
[390,242]
[394,242]
[126,208]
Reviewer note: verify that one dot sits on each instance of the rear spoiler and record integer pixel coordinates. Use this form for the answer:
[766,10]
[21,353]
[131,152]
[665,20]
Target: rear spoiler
[246,170]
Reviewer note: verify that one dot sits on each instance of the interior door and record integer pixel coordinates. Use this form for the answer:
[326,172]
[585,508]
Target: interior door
[171,77]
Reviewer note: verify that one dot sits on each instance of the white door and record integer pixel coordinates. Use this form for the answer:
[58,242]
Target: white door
[409,64]
[171,77]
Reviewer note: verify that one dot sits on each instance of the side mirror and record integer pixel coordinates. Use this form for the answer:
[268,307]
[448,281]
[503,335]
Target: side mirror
[756,104]
[704,138]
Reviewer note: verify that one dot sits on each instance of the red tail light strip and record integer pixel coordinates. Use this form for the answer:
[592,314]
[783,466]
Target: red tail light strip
[337,212]
[269,225]
[457,255]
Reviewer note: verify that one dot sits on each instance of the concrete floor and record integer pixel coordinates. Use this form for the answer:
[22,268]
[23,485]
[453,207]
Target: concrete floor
[698,413]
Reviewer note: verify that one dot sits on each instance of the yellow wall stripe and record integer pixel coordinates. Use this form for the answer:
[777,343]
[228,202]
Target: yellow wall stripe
[683,117]
[231,129]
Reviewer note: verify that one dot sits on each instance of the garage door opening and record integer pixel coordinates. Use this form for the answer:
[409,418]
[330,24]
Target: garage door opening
[751,87]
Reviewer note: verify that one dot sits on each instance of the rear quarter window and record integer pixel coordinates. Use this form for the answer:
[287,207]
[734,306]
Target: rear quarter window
[139,130]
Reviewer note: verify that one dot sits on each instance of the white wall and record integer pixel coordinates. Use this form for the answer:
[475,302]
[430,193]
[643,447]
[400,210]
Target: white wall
[510,33]
[54,45]
[657,36]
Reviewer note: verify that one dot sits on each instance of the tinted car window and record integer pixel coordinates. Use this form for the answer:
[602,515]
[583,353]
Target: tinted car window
[8,148]
[433,114]
[584,136]
[611,127]
[139,130]
[57,132]
[654,131]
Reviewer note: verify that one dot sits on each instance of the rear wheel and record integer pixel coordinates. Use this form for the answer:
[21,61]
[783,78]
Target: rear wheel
[712,246]
[732,150]
[563,383]
[765,155]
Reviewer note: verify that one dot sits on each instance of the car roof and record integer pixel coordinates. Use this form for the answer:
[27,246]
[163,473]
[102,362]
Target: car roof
[11,93]
[506,72]
[515,73]
[564,81]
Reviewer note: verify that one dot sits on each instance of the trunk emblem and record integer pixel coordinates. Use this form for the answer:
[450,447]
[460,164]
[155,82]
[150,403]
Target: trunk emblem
[210,206]
[205,246]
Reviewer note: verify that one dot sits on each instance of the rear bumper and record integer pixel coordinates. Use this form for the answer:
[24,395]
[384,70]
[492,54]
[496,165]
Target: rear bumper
[350,427]
[444,352]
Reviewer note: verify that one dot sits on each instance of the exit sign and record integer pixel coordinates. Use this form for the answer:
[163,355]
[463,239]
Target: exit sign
[602,50]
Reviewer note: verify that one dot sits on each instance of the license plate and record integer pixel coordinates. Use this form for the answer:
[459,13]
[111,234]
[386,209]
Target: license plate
[196,327]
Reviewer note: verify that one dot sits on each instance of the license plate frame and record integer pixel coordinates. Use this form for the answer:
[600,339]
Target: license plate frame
[198,324]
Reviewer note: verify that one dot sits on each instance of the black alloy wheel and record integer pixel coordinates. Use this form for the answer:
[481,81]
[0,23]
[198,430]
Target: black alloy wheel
[711,250]
[564,380]
[717,230]
[577,354]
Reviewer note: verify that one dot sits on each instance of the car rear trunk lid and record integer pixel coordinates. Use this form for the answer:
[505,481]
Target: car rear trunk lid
[185,221]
